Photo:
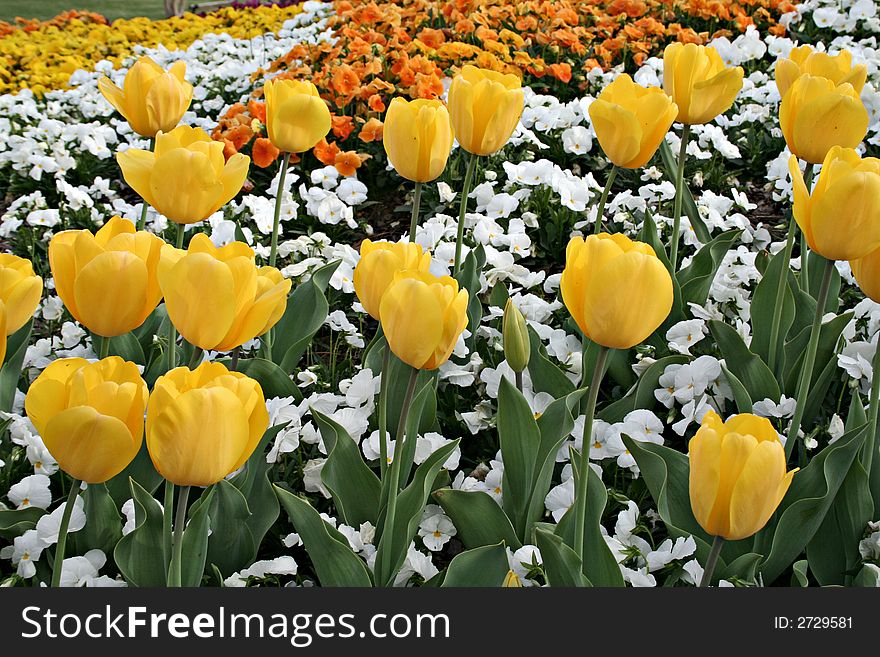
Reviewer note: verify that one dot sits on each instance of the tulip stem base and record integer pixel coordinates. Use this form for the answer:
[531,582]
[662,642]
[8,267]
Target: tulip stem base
[600,211]
[279,193]
[383,411]
[712,561]
[518,378]
[175,569]
[462,211]
[172,330]
[233,362]
[414,220]
[583,474]
[806,375]
[105,348]
[167,517]
[142,221]
[679,198]
[62,534]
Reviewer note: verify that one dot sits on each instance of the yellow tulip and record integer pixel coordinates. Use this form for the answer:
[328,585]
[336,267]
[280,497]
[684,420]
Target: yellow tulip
[20,291]
[867,273]
[630,121]
[218,298]
[699,82]
[737,474]
[203,424]
[422,317]
[296,116]
[803,60]
[841,218]
[379,262]
[417,138]
[186,178]
[815,115]
[108,281]
[616,289]
[152,100]
[484,107]
[89,415]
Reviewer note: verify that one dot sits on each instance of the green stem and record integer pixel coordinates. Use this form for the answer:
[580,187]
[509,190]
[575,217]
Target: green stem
[712,561]
[870,440]
[167,516]
[171,361]
[580,498]
[805,264]
[679,198]
[142,221]
[196,357]
[600,212]
[394,472]
[414,221]
[175,570]
[783,281]
[518,379]
[233,362]
[806,374]
[383,411]
[105,348]
[279,193]
[462,211]
[62,534]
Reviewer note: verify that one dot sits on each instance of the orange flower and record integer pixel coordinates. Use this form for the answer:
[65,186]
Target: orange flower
[372,131]
[561,72]
[431,38]
[345,81]
[264,153]
[376,103]
[347,163]
[342,126]
[239,136]
[257,110]
[326,152]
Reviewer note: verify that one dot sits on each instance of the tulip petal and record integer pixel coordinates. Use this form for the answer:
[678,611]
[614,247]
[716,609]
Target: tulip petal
[705,474]
[755,494]
[412,320]
[137,167]
[858,195]
[111,293]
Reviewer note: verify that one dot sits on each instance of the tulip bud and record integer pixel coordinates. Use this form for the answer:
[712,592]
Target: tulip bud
[377,266]
[515,334]
[204,424]
[20,291]
[803,60]
[107,280]
[422,317]
[89,415]
[512,581]
[630,121]
[218,298]
[296,116]
[187,178]
[417,137]
[484,107]
[151,100]
[737,474]
[816,115]
[841,217]
[699,82]
[617,290]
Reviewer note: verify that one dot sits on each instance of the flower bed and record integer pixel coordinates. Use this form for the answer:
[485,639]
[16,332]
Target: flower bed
[320,371]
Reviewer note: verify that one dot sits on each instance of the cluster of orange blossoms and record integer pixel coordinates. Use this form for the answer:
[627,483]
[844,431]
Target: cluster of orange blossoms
[406,48]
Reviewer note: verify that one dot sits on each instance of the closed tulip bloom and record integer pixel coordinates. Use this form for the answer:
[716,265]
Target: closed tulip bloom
[108,281]
[484,107]
[815,115]
[699,82]
[186,178]
[422,317]
[737,474]
[203,424]
[803,60]
[417,138]
[296,116]
[218,298]
[617,290]
[89,415]
[152,100]
[379,262]
[631,120]
[867,274]
[841,217]
[20,291]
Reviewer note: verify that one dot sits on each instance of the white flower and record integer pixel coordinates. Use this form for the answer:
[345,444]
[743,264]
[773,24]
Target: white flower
[32,491]
[768,408]
[279,566]
[683,335]
[312,477]
[577,140]
[435,528]
[49,525]
[84,571]
[24,552]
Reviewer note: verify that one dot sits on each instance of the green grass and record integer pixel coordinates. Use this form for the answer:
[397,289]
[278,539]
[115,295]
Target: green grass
[112,9]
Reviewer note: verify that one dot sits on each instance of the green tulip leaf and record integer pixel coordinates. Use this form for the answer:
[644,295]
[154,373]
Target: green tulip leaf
[545,375]
[194,553]
[670,167]
[10,373]
[755,376]
[641,395]
[562,565]
[696,279]
[141,470]
[815,271]
[740,394]
[354,486]
[253,482]
[332,558]
[136,553]
[799,576]
[764,306]
[867,578]
[231,545]
[795,350]
[15,522]
[484,567]
[103,527]
[272,379]
[477,518]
